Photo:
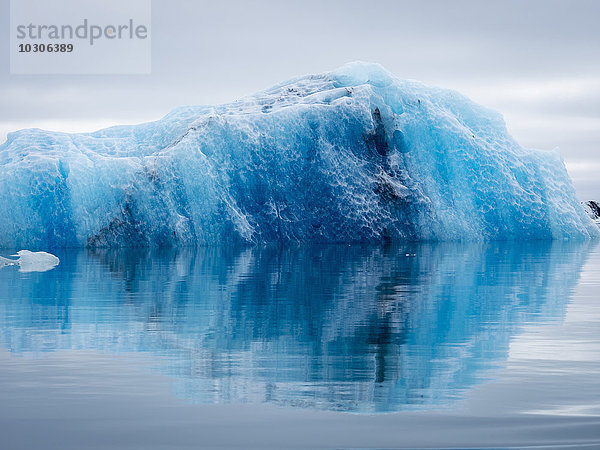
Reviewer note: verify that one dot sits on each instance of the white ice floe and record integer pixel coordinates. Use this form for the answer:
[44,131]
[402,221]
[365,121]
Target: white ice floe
[31,261]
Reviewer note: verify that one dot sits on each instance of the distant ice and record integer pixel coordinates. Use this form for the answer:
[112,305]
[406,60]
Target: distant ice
[592,209]
[351,155]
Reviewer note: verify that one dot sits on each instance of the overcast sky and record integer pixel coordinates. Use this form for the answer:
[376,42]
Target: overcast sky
[537,62]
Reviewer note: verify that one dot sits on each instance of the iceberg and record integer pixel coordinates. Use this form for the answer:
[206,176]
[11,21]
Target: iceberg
[352,155]
[592,209]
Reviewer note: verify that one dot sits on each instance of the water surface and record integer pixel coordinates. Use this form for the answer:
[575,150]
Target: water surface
[437,337]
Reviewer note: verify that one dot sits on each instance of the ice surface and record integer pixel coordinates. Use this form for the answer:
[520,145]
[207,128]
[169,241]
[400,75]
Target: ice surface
[351,155]
[29,261]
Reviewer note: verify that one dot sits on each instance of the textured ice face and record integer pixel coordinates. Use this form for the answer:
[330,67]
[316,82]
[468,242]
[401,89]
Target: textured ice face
[350,155]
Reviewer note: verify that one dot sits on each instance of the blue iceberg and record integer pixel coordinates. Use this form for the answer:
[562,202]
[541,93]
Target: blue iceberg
[351,155]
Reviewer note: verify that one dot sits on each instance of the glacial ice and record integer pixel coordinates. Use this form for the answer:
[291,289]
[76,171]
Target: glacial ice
[351,155]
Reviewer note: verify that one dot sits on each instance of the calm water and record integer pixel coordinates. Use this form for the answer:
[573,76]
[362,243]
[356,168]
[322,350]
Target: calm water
[455,344]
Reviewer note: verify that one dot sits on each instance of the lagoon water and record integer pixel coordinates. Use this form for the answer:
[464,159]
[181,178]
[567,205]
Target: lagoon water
[441,345]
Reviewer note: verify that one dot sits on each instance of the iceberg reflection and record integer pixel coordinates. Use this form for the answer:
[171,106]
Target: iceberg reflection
[357,328]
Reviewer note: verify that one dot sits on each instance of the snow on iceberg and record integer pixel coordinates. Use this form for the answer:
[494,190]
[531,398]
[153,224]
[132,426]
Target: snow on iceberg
[351,155]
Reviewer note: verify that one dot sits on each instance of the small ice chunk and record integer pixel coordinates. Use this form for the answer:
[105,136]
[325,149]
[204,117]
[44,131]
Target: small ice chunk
[29,261]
